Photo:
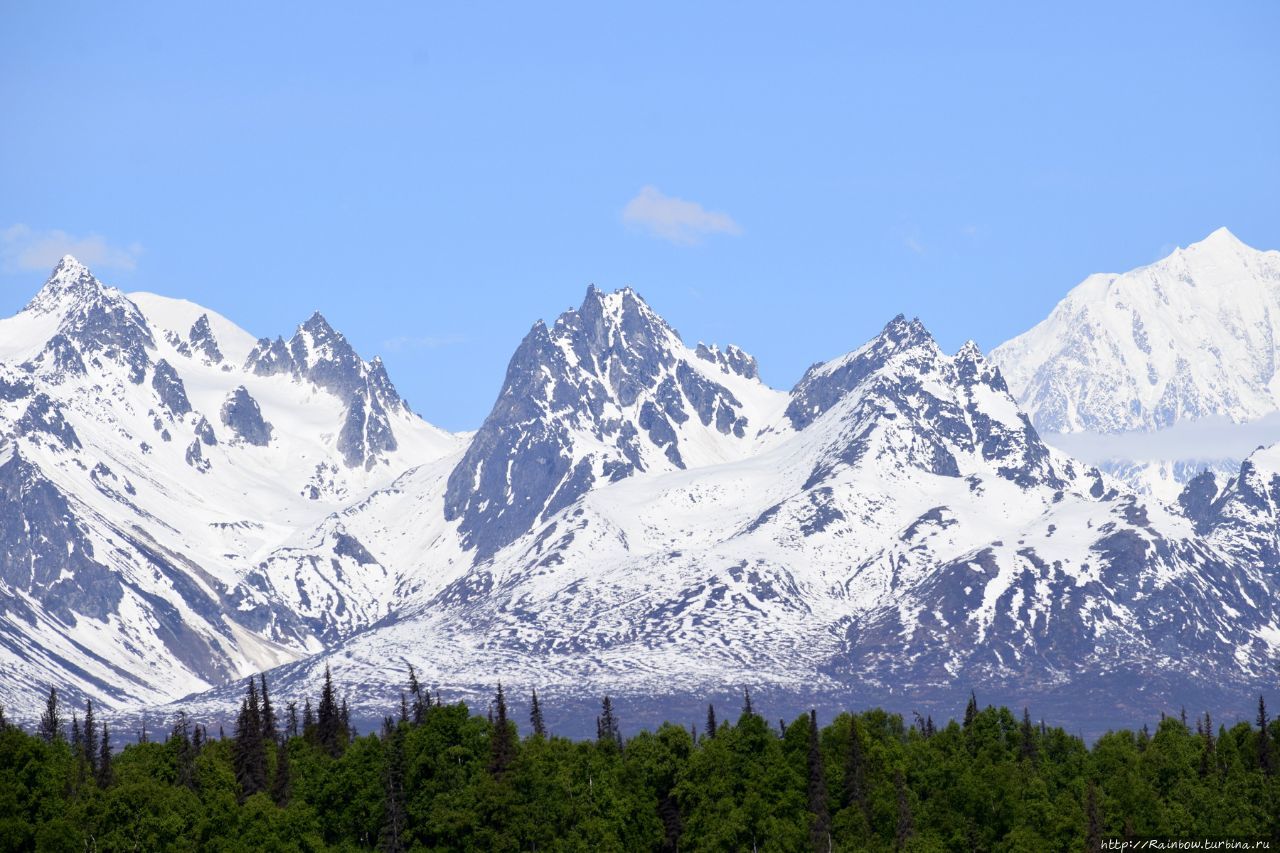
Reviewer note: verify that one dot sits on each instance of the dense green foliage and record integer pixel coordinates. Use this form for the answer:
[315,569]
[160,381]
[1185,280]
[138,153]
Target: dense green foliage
[440,778]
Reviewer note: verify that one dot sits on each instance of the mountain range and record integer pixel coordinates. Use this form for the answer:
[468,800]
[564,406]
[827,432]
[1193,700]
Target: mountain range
[182,504]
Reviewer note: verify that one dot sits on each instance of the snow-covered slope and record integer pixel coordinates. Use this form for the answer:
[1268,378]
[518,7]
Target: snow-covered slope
[156,484]
[1193,335]
[182,503]
[1187,347]
[898,523]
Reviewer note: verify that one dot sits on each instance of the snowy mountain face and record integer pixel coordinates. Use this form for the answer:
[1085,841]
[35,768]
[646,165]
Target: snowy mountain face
[608,392]
[634,516]
[898,522]
[153,486]
[1191,337]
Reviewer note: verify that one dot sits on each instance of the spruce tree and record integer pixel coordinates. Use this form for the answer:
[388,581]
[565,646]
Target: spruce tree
[329,719]
[282,783]
[905,828]
[77,747]
[747,710]
[1208,759]
[970,710]
[419,707]
[248,749]
[309,723]
[711,720]
[105,777]
[855,792]
[535,717]
[1093,820]
[394,820]
[820,823]
[1265,762]
[184,752]
[502,747]
[345,732]
[51,722]
[292,730]
[270,734]
[404,708]
[608,732]
[1027,749]
[90,738]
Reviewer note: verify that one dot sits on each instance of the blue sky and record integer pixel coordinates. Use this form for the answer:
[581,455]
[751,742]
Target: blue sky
[436,176]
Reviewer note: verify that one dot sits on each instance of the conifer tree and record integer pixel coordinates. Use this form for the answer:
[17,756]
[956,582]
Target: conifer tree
[394,821]
[970,710]
[535,717]
[51,722]
[1265,762]
[77,747]
[281,782]
[502,748]
[184,752]
[711,720]
[4,724]
[248,756]
[404,708]
[198,735]
[854,792]
[292,730]
[329,723]
[820,823]
[345,733]
[1093,820]
[1028,746]
[309,722]
[905,828]
[270,733]
[1208,759]
[607,730]
[90,738]
[419,708]
[747,710]
[105,777]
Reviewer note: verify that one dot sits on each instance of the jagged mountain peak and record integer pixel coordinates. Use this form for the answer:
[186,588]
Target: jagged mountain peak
[69,284]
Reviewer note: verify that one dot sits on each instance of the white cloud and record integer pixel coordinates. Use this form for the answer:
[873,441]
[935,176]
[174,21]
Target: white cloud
[410,342]
[913,245]
[1207,439]
[24,248]
[682,222]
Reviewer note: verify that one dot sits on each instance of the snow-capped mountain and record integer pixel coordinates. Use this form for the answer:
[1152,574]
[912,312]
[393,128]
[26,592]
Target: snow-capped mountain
[1194,337]
[184,503]
[155,478]
[898,522]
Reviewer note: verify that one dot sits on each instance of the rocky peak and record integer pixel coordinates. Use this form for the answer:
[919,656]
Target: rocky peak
[241,414]
[825,384]
[204,341]
[98,324]
[731,360]
[69,283]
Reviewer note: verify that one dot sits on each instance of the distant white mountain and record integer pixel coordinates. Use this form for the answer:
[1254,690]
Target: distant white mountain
[1194,337]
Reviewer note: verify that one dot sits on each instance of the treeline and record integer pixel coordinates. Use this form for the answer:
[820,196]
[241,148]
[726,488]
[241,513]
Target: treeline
[438,777]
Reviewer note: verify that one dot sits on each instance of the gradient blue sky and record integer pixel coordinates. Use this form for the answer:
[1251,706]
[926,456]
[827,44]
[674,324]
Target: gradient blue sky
[436,176]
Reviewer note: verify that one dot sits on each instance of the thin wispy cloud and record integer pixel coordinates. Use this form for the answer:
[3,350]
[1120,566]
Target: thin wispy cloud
[1210,438]
[676,220]
[412,342]
[913,245]
[25,248]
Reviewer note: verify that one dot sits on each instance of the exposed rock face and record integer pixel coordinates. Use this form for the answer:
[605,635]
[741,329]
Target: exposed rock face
[608,391]
[240,413]
[203,341]
[169,388]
